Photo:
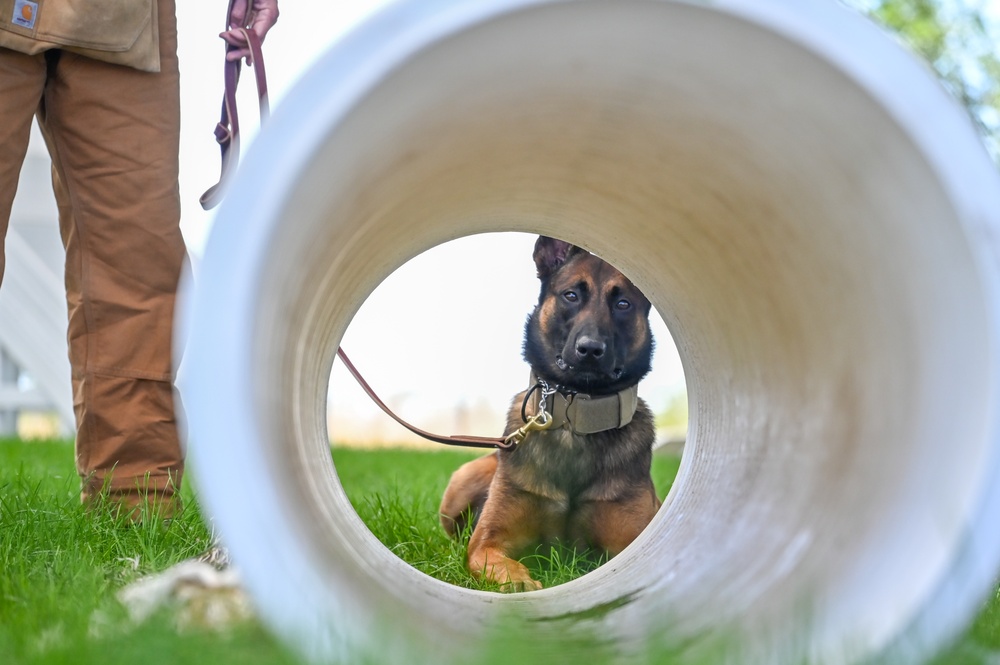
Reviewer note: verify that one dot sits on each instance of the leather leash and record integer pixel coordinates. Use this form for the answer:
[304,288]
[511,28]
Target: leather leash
[454,440]
[227,132]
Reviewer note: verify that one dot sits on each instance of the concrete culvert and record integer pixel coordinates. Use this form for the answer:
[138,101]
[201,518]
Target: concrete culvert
[812,215]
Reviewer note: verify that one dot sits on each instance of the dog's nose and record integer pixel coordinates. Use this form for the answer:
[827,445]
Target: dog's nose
[590,348]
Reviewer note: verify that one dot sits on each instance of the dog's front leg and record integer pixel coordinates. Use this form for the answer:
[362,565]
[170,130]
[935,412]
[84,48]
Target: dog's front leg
[506,526]
[466,494]
[613,525]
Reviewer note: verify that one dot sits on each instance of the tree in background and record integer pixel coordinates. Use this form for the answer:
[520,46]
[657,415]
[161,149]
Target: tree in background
[961,41]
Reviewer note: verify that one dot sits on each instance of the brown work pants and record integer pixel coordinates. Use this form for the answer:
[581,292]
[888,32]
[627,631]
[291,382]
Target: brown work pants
[113,136]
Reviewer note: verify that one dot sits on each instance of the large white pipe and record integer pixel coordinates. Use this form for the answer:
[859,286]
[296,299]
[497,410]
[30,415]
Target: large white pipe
[812,215]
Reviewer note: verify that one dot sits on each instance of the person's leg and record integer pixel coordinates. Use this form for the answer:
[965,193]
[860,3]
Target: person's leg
[22,78]
[113,134]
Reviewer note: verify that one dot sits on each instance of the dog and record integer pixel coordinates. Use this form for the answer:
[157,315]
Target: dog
[581,474]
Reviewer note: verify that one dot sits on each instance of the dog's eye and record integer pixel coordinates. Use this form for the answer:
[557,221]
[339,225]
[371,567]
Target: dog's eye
[623,304]
[571,296]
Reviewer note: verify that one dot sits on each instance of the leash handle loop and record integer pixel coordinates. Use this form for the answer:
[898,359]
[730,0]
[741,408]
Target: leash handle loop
[227,132]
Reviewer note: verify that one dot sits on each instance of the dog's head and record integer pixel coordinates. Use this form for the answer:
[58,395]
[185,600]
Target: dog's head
[590,329]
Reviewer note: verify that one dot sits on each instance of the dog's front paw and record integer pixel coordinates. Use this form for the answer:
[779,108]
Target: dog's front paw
[516,579]
[518,586]
[492,563]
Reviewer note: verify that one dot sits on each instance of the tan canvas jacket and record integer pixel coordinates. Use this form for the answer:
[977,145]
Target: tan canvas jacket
[124,32]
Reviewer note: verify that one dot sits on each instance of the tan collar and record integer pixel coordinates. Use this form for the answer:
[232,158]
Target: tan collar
[587,414]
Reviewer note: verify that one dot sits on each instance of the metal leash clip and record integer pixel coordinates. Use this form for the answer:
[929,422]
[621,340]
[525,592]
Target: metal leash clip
[538,422]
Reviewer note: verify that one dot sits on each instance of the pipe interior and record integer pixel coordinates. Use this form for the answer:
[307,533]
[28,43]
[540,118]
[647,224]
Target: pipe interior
[807,262]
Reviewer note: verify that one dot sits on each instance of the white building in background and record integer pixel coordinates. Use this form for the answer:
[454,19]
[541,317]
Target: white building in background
[34,366]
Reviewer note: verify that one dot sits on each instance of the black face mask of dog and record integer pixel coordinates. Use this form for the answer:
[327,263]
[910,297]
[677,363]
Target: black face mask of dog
[589,332]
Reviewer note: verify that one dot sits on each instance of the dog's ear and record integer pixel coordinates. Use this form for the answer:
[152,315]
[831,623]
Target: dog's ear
[550,254]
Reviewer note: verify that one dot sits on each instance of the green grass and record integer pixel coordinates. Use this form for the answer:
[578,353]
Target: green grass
[397,493]
[60,566]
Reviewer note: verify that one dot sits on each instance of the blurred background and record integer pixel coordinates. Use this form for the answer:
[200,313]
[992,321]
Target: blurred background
[440,339]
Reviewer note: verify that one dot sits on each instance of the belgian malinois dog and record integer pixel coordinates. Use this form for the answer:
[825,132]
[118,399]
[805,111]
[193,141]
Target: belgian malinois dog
[581,473]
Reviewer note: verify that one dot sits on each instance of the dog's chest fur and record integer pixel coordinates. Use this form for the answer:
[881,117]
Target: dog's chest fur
[566,467]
